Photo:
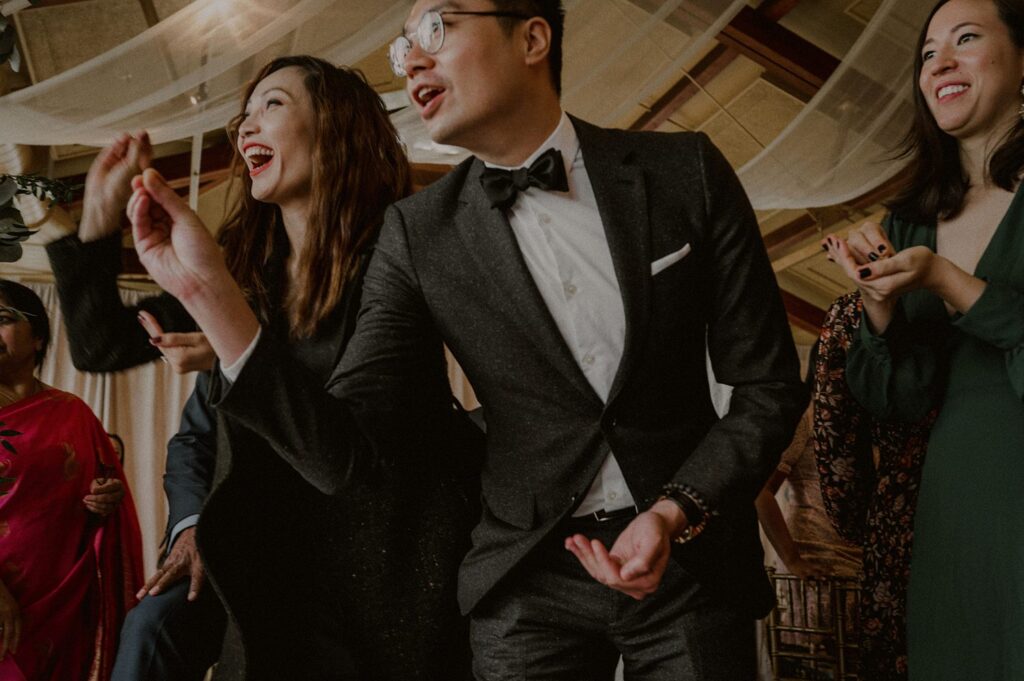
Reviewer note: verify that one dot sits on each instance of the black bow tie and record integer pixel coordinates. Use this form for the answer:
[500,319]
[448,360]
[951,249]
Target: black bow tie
[547,173]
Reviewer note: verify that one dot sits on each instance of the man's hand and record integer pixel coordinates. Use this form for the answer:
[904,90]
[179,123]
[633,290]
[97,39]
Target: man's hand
[10,622]
[638,559]
[108,184]
[184,352]
[183,561]
[104,496]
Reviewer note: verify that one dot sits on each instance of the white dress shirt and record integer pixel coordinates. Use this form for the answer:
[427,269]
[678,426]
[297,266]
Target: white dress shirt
[563,242]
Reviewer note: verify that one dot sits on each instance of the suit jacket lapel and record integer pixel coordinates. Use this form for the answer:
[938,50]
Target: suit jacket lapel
[621,194]
[488,237]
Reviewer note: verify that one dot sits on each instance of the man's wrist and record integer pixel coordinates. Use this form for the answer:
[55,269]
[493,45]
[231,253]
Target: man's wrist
[692,507]
[673,516]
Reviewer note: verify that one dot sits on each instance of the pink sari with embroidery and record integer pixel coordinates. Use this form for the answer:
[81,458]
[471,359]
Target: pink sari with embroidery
[73,574]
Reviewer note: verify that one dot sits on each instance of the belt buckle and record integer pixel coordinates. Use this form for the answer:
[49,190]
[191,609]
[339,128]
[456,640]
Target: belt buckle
[604,516]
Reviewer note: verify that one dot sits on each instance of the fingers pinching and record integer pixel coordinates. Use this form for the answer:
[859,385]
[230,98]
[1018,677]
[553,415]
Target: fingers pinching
[875,234]
[162,194]
[141,150]
[862,250]
[871,242]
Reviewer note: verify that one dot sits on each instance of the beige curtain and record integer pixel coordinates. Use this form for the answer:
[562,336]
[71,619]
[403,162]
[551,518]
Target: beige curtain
[142,405]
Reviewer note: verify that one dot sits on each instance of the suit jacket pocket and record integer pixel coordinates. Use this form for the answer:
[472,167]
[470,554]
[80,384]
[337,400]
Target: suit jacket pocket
[667,261]
[512,509]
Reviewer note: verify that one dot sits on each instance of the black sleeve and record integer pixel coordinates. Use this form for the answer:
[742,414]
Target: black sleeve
[751,348]
[104,333]
[387,398]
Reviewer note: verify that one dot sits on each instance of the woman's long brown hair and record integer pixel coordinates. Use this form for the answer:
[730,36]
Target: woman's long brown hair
[359,168]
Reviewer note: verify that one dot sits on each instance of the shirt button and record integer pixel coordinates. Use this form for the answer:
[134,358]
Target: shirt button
[570,289]
[544,219]
[612,496]
[588,359]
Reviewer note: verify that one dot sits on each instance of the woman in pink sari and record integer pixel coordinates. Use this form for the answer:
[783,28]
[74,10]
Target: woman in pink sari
[70,548]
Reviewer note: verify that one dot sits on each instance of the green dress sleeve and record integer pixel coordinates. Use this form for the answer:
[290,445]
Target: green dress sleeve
[997,318]
[896,375]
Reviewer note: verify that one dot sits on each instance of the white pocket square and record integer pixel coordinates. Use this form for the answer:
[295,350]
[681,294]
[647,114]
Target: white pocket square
[669,260]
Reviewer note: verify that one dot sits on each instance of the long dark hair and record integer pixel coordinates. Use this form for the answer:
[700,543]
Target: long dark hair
[24,299]
[937,184]
[359,168]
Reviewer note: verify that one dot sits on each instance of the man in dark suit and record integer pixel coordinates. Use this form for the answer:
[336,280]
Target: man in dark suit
[578,275]
[577,292]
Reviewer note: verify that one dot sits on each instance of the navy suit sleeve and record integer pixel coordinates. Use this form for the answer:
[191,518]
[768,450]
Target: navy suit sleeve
[104,333]
[191,454]
[751,349]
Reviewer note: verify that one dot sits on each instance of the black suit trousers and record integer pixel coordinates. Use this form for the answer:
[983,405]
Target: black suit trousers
[549,620]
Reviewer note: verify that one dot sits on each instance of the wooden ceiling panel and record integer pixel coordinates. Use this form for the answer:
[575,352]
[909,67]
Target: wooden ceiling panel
[734,79]
[764,110]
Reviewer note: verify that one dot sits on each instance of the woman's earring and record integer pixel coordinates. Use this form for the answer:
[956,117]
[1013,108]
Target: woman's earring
[1020,111]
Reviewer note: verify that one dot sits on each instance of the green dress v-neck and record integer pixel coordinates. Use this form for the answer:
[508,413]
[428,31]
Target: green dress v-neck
[966,597]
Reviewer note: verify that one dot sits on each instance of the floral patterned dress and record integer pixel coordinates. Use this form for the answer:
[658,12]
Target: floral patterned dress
[870,475]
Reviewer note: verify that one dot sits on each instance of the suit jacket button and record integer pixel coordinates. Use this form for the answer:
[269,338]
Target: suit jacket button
[613,423]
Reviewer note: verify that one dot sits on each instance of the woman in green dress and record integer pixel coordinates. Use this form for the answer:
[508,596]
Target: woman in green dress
[943,289]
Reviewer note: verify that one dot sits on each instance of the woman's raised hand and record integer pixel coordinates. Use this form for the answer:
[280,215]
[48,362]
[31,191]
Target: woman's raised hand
[108,184]
[182,257]
[172,242]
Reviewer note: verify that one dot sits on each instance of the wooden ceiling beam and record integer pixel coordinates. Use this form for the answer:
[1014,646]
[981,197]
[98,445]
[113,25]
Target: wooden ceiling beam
[802,314]
[679,94]
[773,10]
[790,62]
[746,29]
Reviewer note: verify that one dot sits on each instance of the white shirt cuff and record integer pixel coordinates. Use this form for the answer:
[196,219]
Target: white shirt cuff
[232,372]
[182,525]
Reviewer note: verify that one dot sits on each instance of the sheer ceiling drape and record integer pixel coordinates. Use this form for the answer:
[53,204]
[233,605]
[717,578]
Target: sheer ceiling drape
[841,144]
[184,75]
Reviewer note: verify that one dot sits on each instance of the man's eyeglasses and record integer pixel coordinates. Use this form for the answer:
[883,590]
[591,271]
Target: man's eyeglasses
[430,35]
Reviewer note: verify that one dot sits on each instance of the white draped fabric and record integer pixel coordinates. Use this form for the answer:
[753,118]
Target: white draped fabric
[841,145]
[142,405]
[184,76]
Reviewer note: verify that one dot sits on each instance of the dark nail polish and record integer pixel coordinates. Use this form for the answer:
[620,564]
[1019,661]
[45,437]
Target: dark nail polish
[872,257]
[881,249]
[824,247]
[155,339]
[864,272]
